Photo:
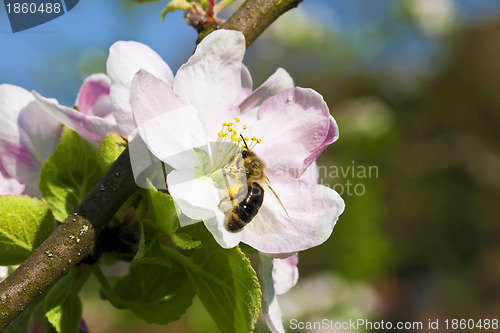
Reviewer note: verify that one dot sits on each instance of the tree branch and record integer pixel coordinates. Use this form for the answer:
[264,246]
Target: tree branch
[76,237]
[253,17]
[69,244]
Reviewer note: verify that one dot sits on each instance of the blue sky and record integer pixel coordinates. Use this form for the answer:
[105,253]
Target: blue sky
[47,58]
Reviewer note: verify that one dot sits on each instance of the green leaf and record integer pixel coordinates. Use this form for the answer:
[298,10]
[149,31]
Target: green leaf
[225,282]
[63,307]
[69,174]
[24,224]
[150,250]
[164,216]
[109,150]
[176,5]
[156,293]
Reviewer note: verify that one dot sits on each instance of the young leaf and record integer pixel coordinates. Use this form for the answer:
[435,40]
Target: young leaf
[165,218]
[109,150]
[24,224]
[156,293]
[174,5]
[63,307]
[69,174]
[225,282]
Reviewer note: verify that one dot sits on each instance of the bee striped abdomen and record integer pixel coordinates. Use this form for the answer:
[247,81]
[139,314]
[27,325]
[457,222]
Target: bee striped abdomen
[246,210]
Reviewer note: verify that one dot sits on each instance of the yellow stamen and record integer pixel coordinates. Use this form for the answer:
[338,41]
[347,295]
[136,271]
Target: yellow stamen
[219,150]
[244,127]
[237,119]
[259,141]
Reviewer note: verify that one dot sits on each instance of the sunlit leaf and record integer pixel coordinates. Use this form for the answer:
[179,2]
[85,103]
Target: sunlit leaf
[63,307]
[69,174]
[24,224]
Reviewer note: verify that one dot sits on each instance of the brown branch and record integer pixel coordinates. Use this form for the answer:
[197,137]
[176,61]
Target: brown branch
[75,238]
[69,244]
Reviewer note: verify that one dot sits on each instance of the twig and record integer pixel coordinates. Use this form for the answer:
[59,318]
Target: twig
[253,17]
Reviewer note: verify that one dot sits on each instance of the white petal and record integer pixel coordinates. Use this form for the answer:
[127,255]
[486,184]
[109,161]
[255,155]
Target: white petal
[92,127]
[124,61]
[211,79]
[285,274]
[4,272]
[313,210]
[217,228]
[169,127]
[28,137]
[270,306]
[276,83]
[197,198]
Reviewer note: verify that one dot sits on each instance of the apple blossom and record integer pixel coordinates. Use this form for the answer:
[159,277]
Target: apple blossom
[186,125]
[28,137]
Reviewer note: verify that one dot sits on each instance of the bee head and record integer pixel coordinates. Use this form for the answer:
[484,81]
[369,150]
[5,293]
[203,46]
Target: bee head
[254,167]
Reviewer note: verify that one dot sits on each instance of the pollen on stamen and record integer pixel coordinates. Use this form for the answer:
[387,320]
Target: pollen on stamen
[244,127]
[237,119]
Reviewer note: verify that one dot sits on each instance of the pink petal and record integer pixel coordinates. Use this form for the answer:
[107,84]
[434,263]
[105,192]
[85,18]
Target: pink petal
[211,79]
[91,127]
[270,305]
[93,97]
[313,210]
[246,84]
[9,186]
[124,61]
[28,137]
[276,83]
[311,175]
[285,274]
[295,127]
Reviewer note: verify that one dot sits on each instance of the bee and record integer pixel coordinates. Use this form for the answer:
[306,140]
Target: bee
[246,200]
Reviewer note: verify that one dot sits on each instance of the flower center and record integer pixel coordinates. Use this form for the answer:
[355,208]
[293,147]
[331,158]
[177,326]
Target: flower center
[224,153]
[230,141]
